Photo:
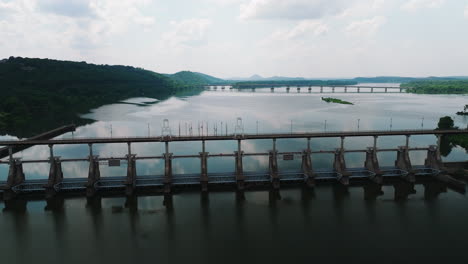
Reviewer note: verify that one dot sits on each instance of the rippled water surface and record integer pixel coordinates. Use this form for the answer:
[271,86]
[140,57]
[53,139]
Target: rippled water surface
[328,223]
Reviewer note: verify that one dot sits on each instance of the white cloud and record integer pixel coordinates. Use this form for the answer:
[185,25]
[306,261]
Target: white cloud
[412,5]
[365,27]
[292,9]
[188,32]
[306,28]
[466,11]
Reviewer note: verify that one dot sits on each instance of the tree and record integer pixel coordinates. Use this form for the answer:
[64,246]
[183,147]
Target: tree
[446,122]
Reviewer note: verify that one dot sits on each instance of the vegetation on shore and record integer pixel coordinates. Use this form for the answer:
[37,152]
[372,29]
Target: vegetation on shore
[41,94]
[191,79]
[464,112]
[335,100]
[450,141]
[437,87]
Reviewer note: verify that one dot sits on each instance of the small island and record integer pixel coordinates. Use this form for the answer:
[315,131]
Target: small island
[335,100]
[464,112]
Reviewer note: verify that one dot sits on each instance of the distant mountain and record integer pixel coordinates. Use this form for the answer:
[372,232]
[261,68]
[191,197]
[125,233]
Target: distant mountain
[397,79]
[189,78]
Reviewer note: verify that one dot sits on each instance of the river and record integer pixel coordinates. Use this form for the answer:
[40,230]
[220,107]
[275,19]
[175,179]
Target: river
[327,223]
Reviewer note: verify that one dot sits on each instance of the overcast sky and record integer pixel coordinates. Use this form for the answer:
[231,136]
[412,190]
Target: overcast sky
[227,38]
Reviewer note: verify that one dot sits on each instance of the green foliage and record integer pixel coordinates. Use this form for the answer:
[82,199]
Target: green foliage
[41,94]
[464,112]
[194,79]
[437,87]
[450,141]
[335,100]
[445,122]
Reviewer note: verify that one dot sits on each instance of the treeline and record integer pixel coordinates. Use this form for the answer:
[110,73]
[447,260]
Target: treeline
[437,87]
[194,79]
[260,84]
[41,94]
[448,142]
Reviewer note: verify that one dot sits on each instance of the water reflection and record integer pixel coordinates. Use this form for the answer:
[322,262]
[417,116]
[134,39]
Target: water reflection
[202,226]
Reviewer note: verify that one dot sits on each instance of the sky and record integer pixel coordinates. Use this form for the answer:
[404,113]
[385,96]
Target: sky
[239,38]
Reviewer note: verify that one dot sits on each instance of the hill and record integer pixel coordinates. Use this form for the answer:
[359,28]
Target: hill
[188,78]
[437,87]
[41,94]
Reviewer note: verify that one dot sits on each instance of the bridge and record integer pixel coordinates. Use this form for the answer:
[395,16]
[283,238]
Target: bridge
[93,183]
[320,89]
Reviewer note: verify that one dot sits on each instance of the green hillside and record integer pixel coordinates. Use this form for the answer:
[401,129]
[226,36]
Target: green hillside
[40,94]
[188,78]
[438,87]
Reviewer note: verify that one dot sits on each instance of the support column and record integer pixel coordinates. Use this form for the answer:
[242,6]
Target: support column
[321,89]
[204,168]
[167,169]
[346,89]
[333,89]
[272,89]
[287,89]
[434,161]
[309,175]
[240,178]
[15,173]
[130,182]
[372,165]
[358,90]
[273,166]
[403,162]
[94,174]
[371,90]
[339,165]
[310,89]
[55,176]
[385,89]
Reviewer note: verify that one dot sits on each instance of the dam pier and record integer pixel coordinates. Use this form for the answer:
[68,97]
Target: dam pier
[16,183]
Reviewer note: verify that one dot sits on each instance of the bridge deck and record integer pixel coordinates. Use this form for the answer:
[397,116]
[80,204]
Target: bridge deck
[233,137]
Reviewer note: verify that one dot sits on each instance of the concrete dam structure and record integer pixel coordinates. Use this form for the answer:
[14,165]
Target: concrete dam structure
[16,183]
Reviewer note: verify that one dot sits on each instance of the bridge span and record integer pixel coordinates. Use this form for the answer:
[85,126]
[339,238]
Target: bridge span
[16,182]
[315,89]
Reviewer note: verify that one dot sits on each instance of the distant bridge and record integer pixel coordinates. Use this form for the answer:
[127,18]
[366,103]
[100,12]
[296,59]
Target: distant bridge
[16,182]
[321,89]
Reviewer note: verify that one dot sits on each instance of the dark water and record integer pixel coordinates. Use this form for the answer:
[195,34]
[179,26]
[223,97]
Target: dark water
[326,224]
[329,223]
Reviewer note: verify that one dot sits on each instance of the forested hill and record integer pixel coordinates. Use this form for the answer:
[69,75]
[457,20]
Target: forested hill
[189,78]
[438,87]
[40,94]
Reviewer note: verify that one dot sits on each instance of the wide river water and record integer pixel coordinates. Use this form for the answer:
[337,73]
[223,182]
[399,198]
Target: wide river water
[328,222]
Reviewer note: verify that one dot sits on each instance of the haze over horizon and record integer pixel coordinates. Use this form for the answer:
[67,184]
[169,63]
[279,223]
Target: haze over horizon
[240,38]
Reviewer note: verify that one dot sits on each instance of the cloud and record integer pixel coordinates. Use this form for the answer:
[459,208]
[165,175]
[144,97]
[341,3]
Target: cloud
[365,27]
[413,5]
[304,29]
[292,9]
[71,8]
[466,11]
[188,32]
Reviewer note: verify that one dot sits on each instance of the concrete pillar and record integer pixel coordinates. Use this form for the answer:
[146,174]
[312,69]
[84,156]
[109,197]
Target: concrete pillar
[273,166]
[371,90]
[372,165]
[204,168]
[310,89]
[346,89]
[407,141]
[55,176]
[403,162]
[385,89]
[375,142]
[167,169]
[298,89]
[94,175]
[321,89]
[287,89]
[15,173]
[307,170]
[333,89]
[434,161]
[339,165]
[240,178]
[272,89]
[401,90]
[358,90]
[130,182]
